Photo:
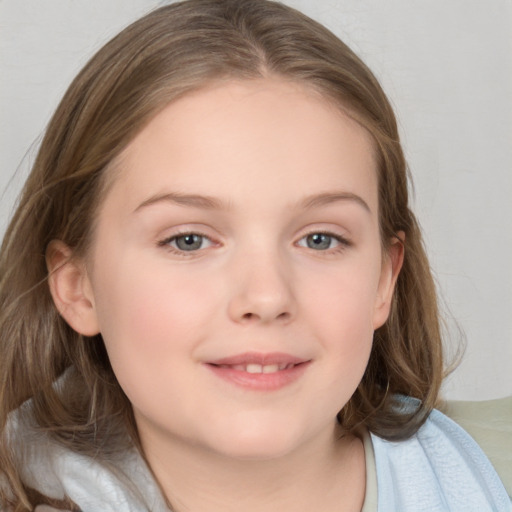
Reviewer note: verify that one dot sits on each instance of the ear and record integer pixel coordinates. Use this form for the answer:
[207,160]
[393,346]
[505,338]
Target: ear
[71,289]
[391,266]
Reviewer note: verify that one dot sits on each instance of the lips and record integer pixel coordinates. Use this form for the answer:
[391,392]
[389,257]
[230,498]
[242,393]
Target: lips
[259,371]
[258,368]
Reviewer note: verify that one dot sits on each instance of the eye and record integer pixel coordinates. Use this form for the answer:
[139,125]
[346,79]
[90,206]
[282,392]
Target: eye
[187,242]
[322,241]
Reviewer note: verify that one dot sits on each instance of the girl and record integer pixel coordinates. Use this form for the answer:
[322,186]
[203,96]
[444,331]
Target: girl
[213,293]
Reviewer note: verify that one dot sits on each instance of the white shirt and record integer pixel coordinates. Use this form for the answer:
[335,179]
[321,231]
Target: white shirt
[439,469]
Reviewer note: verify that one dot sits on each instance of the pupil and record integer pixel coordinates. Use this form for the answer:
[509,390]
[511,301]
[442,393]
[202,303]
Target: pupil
[189,242]
[319,241]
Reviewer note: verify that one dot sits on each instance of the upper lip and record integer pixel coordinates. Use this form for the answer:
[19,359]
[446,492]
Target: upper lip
[273,358]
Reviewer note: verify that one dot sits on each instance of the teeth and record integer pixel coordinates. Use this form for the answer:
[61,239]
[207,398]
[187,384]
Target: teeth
[254,368]
[258,368]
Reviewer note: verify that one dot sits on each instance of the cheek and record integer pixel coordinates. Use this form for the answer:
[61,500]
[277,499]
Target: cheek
[343,299]
[152,319]
[149,314]
[340,308]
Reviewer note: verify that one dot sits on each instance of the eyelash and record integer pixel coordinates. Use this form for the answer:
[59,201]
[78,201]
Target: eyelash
[166,243]
[343,242]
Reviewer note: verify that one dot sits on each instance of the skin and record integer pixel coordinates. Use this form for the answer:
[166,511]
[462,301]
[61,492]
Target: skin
[276,164]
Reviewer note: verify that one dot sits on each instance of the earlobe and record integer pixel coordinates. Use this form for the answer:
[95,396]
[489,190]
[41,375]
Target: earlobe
[70,289]
[390,269]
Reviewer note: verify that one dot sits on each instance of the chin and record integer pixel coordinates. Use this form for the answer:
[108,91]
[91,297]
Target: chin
[259,442]
[256,450]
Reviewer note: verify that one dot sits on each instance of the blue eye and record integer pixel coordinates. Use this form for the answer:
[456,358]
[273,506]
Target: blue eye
[321,241]
[188,242]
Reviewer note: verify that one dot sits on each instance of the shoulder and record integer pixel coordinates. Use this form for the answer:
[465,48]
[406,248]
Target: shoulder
[53,472]
[440,468]
[489,423]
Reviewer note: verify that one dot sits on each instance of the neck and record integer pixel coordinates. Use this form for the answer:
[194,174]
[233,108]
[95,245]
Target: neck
[327,475]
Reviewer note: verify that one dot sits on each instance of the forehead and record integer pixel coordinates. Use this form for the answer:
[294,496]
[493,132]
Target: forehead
[235,136]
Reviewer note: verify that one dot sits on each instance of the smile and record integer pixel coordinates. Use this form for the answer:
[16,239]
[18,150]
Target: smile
[258,368]
[263,372]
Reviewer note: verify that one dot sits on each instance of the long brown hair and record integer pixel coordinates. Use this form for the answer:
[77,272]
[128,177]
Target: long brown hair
[168,53]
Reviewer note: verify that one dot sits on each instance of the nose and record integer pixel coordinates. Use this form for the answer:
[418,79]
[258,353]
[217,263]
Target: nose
[262,291]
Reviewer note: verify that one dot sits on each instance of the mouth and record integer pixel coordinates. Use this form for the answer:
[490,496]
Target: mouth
[258,368]
[264,372]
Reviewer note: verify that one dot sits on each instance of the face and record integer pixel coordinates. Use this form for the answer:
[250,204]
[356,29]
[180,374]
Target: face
[236,273]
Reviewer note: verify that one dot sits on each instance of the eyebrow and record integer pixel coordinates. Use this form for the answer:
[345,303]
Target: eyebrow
[192,200]
[212,203]
[326,198]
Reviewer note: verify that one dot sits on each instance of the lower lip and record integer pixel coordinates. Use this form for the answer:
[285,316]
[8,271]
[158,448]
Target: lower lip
[260,381]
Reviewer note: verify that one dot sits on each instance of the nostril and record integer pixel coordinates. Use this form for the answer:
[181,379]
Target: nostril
[281,316]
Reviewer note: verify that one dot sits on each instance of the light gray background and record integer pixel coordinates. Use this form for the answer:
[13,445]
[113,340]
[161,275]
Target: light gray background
[447,67]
